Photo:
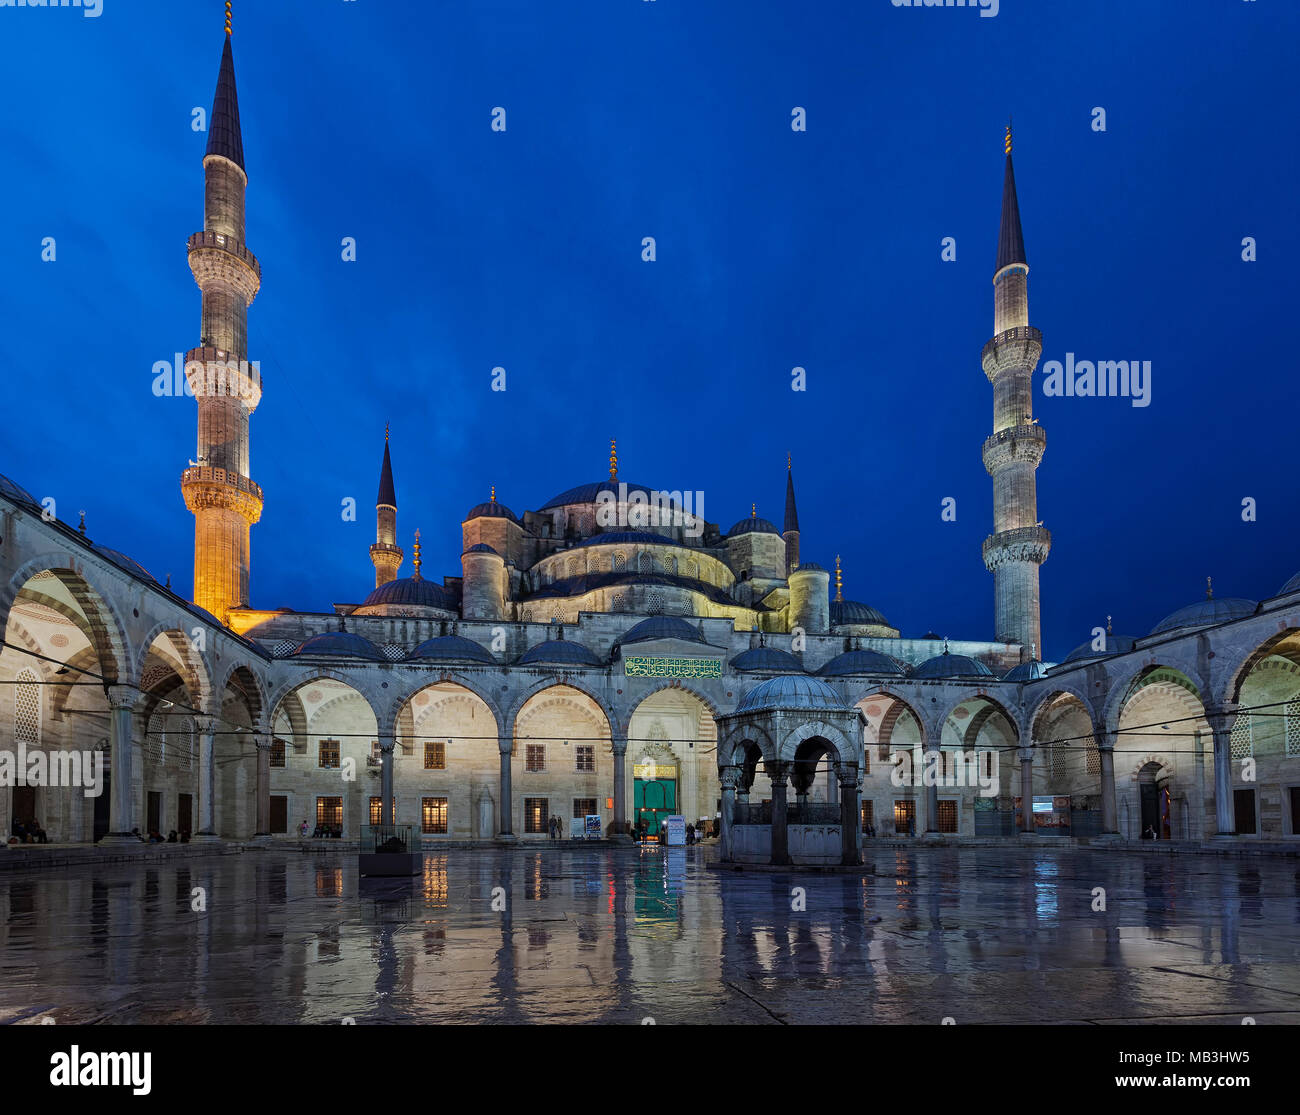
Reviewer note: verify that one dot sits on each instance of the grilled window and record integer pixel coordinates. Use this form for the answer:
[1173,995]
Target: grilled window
[583,807]
[868,814]
[585,754]
[1293,734]
[329,811]
[535,757]
[536,815]
[435,755]
[904,814]
[947,816]
[277,752]
[433,815]
[329,753]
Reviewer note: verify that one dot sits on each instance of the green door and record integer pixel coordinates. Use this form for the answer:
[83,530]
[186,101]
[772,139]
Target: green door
[653,800]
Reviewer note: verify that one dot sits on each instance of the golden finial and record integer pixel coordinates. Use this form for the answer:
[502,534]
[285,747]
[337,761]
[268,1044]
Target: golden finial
[753,510]
[227,17]
[385,431]
[493,497]
[1008,135]
[1209,589]
[415,558]
[788,463]
[613,459]
[839,581]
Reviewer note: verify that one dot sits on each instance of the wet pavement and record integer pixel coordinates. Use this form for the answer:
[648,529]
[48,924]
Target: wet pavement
[622,935]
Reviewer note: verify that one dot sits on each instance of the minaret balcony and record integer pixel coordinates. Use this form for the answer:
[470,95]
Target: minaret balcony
[1024,443]
[216,373]
[1012,349]
[205,487]
[216,257]
[1031,544]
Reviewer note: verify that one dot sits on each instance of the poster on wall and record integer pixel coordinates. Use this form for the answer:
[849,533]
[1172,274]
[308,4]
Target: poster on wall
[593,826]
[675,830]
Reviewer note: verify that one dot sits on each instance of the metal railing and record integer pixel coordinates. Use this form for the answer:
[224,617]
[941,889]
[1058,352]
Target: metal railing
[222,476]
[1020,333]
[388,839]
[209,239]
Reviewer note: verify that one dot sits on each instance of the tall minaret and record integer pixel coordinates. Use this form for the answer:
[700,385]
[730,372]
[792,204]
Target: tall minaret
[217,486]
[1019,543]
[791,531]
[386,553]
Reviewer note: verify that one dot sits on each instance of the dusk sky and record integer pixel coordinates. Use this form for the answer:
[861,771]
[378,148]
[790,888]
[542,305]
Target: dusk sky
[776,249]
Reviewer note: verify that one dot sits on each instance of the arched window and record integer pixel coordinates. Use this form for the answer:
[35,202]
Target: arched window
[1293,729]
[1242,743]
[27,708]
[654,604]
[672,566]
[617,606]
[620,563]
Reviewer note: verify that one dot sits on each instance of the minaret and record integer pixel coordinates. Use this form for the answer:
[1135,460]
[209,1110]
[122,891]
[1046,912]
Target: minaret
[1019,543]
[386,553]
[217,486]
[791,531]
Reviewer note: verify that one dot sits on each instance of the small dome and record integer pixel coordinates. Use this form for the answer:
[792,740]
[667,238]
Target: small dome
[930,635]
[452,648]
[799,692]
[341,643]
[16,494]
[767,658]
[752,525]
[203,613]
[662,627]
[491,510]
[481,548]
[851,611]
[862,662]
[1293,585]
[123,562]
[561,652]
[808,567]
[1206,612]
[1027,671]
[1115,644]
[409,592]
[951,666]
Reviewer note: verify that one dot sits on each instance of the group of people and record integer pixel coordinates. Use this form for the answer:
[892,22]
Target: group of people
[27,832]
[156,837]
[322,832]
[557,828]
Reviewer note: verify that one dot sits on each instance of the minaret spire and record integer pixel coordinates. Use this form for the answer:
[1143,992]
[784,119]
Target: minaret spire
[790,533]
[1019,543]
[386,554]
[227,388]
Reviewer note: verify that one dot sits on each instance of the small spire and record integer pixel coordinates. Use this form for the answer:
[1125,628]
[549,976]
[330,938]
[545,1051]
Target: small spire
[945,644]
[169,580]
[81,527]
[386,427]
[753,510]
[415,559]
[225,137]
[493,497]
[613,459]
[789,461]
[1011,238]
[839,581]
[1108,630]
[387,496]
[1008,135]
[1209,589]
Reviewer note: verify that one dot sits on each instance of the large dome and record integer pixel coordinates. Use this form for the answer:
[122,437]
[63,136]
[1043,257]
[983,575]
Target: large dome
[851,611]
[409,592]
[1205,613]
[951,666]
[587,493]
[766,658]
[559,652]
[799,692]
[862,662]
[452,648]
[662,627]
[342,643]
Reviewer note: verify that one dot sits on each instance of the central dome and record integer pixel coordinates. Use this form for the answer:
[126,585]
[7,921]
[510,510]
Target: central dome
[798,692]
[587,493]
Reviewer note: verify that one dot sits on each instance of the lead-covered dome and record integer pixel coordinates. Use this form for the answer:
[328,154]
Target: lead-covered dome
[797,692]
[491,510]
[558,652]
[862,662]
[1205,613]
[16,493]
[408,592]
[766,658]
[451,648]
[855,612]
[947,665]
[752,525]
[1027,671]
[588,493]
[1293,585]
[344,644]
[1115,644]
[123,562]
[662,627]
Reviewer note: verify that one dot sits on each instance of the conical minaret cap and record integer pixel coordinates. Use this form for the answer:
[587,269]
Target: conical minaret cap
[1011,240]
[387,493]
[224,136]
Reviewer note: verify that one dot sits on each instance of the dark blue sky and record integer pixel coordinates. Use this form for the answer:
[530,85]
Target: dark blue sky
[632,118]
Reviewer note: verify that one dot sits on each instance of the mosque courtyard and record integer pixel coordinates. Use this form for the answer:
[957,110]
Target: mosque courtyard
[572,934]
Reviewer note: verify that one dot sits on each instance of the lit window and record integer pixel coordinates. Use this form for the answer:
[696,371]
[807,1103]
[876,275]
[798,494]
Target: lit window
[329,811]
[584,807]
[329,753]
[536,815]
[433,815]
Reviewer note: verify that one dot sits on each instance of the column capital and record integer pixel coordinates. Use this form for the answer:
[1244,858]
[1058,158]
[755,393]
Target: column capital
[122,696]
[849,775]
[1221,717]
[505,744]
[387,741]
[777,773]
[262,741]
[729,778]
[1104,740]
[205,725]
[619,744]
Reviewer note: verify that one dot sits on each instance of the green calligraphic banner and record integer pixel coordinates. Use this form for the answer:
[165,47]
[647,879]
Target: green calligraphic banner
[640,667]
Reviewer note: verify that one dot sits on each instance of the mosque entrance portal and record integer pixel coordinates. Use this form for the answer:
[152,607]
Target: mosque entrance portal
[654,794]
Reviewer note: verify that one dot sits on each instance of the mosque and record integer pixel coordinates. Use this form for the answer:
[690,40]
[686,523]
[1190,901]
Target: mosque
[612,655]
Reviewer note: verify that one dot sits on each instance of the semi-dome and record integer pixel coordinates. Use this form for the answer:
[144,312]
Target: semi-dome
[862,662]
[408,592]
[798,692]
[588,493]
[752,525]
[342,643]
[662,627]
[1293,585]
[491,510]
[766,658]
[852,611]
[15,493]
[1115,644]
[559,652]
[1206,612]
[123,562]
[452,648]
[1027,671]
[951,666]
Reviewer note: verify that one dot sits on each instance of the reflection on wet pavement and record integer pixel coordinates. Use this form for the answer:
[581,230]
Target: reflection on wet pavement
[622,935]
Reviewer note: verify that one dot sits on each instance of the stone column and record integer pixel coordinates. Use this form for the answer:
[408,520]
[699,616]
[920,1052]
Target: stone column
[933,769]
[387,808]
[1109,814]
[850,824]
[506,809]
[728,777]
[1225,818]
[121,807]
[778,772]
[262,742]
[1027,791]
[207,780]
[1197,831]
[619,827]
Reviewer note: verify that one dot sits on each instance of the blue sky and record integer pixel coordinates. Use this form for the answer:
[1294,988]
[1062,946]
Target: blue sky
[522,249]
